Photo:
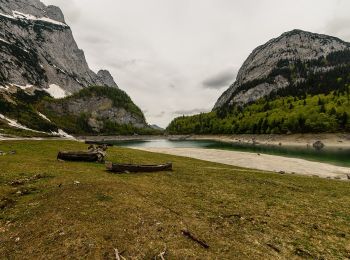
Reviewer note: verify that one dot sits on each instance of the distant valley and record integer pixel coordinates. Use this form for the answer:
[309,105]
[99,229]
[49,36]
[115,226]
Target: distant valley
[298,82]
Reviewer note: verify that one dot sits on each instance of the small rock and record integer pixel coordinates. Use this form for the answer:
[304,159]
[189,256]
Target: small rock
[62,234]
[17,239]
[318,145]
[19,192]
[76,182]
[12,152]
[38,176]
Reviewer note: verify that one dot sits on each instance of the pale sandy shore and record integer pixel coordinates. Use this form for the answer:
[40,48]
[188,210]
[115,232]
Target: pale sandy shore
[339,140]
[260,162]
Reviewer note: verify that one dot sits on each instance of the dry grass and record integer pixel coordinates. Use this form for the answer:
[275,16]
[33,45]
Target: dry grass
[239,214]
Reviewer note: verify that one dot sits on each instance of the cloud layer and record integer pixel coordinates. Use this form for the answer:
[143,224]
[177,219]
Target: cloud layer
[190,111]
[177,56]
[220,80]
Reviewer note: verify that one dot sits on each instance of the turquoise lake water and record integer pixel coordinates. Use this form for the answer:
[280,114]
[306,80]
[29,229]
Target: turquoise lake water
[335,156]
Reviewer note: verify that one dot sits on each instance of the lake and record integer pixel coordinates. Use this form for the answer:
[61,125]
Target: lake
[336,156]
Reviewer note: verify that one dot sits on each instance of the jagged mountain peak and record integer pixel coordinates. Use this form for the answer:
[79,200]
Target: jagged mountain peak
[55,13]
[106,77]
[40,58]
[33,8]
[255,80]
[37,48]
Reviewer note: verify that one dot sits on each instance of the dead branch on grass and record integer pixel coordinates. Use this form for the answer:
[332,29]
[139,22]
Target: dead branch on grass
[188,234]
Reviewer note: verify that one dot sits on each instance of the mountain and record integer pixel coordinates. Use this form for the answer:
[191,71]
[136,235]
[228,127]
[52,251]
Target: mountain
[38,48]
[46,84]
[298,82]
[275,65]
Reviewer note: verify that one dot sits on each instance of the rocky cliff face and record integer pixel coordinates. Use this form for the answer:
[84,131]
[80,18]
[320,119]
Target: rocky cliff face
[46,84]
[96,111]
[274,65]
[37,48]
[92,110]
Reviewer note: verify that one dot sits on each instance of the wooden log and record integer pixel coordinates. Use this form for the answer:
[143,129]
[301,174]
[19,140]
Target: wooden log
[91,156]
[117,167]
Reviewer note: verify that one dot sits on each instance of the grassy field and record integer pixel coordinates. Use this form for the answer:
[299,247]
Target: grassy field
[54,210]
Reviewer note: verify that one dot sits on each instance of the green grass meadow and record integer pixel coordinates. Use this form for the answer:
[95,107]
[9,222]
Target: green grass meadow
[75,210]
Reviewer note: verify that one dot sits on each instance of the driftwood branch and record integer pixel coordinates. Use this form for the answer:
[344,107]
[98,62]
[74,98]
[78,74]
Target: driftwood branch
[188,234]
[118,255]
[162,254]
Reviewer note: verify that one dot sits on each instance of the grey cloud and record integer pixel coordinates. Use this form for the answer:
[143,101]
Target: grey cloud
[191,111]
[220,80]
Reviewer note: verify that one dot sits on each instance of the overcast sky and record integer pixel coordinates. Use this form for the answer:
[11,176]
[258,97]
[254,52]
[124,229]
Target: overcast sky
[176,57]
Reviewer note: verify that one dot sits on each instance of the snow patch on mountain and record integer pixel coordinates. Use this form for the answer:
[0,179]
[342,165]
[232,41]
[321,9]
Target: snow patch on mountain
[3,40]
[56,91]
[19,15]
[15,124]
[43,116]
[23,87]
[63,134]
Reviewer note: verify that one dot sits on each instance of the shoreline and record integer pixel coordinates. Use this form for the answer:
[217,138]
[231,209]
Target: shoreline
[337,140]
[264,162]
[250,160]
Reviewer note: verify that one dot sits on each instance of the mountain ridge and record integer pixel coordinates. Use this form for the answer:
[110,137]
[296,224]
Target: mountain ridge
[292,45]
[298,82]
[38,48]
[46,84]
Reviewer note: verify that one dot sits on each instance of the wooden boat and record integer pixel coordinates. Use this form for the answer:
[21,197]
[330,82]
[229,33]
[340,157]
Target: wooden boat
[89,156]
[117,167]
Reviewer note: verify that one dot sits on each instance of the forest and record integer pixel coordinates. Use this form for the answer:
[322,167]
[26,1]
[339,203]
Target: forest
[309,114]
[316,101]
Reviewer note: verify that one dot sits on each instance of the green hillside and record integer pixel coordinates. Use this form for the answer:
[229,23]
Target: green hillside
[312,113]
[24,107]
